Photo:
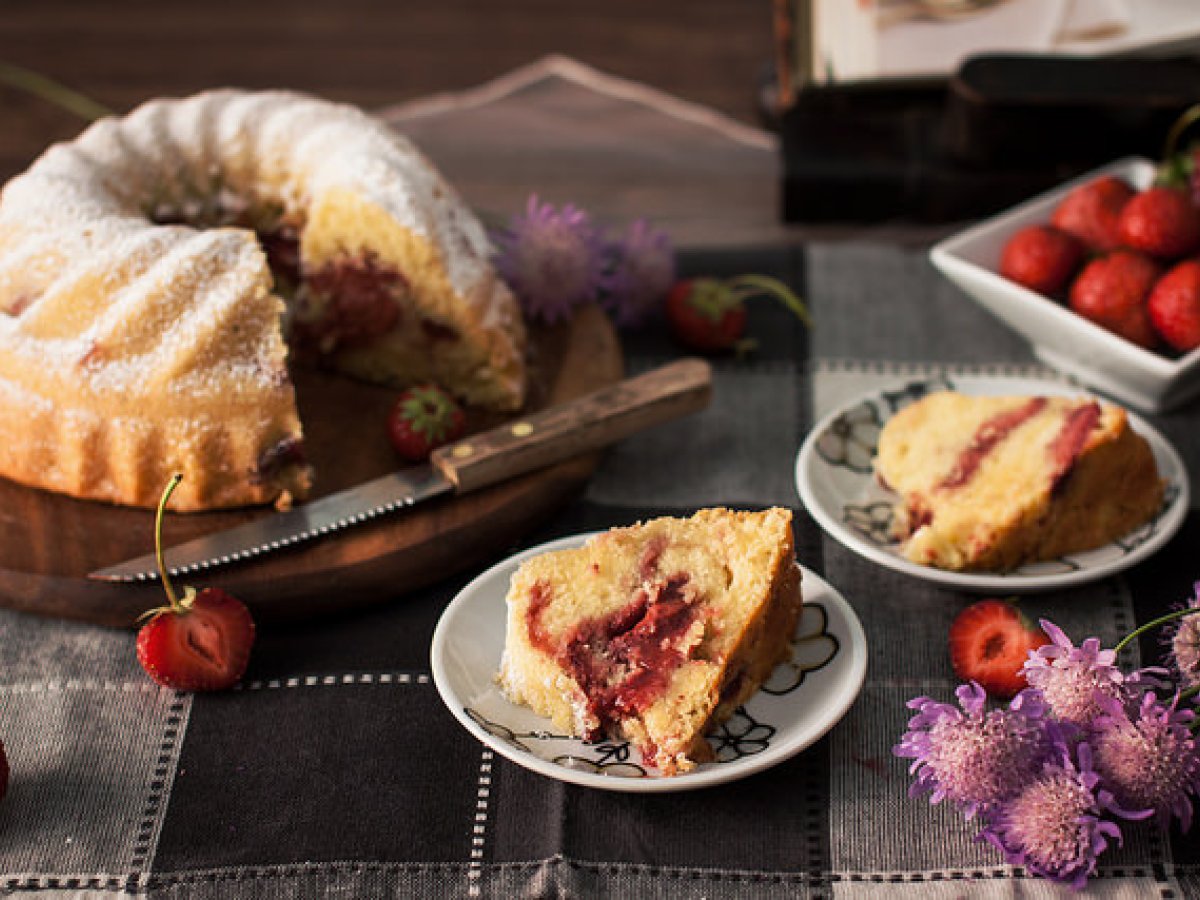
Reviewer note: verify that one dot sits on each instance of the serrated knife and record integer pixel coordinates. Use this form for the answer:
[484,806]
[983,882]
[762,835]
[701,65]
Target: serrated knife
[533,442]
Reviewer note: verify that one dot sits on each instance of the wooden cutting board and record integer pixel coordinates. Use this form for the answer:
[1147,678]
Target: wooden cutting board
[48,543]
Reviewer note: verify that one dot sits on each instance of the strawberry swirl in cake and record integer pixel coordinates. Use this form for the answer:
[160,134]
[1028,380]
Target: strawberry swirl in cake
[656,632]
[991,483]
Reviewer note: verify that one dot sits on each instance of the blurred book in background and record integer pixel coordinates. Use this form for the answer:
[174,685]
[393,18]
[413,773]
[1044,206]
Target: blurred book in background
[941,110]
[850,40]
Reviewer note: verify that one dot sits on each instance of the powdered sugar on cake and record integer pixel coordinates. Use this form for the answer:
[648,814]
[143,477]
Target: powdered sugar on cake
[135,291]
[310,147]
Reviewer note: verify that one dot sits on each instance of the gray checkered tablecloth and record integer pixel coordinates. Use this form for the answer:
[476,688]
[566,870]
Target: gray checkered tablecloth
[335,769]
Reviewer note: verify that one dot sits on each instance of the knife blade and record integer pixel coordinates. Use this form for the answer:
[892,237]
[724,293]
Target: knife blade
[523,445]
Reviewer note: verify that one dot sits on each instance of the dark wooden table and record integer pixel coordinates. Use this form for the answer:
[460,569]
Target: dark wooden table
[715,52]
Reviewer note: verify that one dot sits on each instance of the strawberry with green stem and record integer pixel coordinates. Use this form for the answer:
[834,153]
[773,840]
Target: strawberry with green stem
[198,642]
[424,418]
[708,315]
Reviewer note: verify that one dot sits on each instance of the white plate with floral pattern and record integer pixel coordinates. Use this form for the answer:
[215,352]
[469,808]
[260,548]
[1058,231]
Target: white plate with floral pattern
[799,703]
[836,482]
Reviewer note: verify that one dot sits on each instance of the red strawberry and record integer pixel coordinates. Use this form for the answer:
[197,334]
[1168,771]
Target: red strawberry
[709,315]
[1090,212]
[1111,291]
[1174,306]
[989,643]
[199,643]
[424,418]
[1162,222]
[1041,257]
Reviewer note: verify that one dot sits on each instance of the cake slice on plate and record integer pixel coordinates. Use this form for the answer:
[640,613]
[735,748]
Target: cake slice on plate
[656,632]
[992,483]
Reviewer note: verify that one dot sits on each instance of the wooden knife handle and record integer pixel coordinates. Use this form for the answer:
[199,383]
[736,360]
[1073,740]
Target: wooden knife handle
[593,420]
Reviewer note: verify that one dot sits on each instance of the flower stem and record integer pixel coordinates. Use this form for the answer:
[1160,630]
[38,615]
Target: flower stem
[52,92]
[1161,620]
[158,549]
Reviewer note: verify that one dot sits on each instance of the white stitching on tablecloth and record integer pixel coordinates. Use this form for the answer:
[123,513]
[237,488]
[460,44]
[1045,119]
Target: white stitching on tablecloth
[146,838]
[299,681]
[147,687]
[905,368]
[479,828]
[141,686]
[167,880]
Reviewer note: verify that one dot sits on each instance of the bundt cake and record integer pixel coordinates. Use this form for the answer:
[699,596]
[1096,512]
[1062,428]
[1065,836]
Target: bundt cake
[656,632]
[155,271]
[992,483]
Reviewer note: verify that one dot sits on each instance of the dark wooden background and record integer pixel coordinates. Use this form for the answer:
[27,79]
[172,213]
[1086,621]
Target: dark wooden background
[715,52]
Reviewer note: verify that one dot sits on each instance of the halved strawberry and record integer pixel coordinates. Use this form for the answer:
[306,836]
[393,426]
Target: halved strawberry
[989,643]
[200,642]
[201,645]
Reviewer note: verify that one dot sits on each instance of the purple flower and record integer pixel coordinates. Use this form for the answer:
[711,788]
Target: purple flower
[978,759]
[1149,762]
[1060,822]
[1073,680]
[1185,644]
[552,259]
[642,272]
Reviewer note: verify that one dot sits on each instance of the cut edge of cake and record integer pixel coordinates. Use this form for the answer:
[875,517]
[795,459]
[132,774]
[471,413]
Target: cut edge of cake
[991,483]
[656,632]
[144,269]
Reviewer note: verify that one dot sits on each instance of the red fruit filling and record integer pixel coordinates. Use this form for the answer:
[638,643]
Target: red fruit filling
[986,438]
[282,247]
[623,661]
[347,303]
[1064,450]
[648,565]
[288,451]
[18,304]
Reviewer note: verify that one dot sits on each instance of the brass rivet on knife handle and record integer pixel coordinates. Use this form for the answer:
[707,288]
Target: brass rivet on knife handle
[594,420]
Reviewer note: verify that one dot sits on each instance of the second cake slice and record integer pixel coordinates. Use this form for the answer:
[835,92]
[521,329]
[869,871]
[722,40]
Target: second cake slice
[991,483]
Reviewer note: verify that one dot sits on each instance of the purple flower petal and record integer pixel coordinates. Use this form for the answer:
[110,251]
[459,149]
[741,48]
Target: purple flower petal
[1058,824]
[552,259]
[1071,679]
[1149,759]
[642,271]
[976,759]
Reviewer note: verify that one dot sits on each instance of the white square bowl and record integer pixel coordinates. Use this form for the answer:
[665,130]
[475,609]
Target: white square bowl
[1100,359]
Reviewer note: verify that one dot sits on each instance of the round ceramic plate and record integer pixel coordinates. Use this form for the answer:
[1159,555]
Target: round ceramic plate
[802,699]
[837,485]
